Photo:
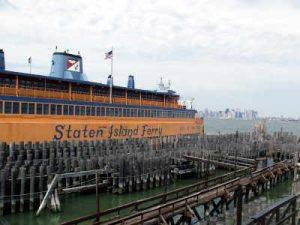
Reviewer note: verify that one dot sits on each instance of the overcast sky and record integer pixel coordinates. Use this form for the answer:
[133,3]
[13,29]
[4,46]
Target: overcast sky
[226,53]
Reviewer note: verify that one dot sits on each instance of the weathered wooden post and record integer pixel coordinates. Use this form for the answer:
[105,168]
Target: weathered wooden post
[41,182]
[2,193]
[97,198]
[23,184]
[14,173]
[239,206]
[32,182]
[295,165]
[294,210]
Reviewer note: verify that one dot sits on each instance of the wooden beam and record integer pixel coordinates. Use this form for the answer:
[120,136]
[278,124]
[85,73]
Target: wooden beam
[197,214]
[172,221]
[239,206]
[218,163]
[162,219]
[216,207]
[50,189]
[190,210]
[179,220]
[60,176]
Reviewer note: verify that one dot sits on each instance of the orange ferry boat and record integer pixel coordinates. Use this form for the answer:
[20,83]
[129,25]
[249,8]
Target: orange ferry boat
[65,106]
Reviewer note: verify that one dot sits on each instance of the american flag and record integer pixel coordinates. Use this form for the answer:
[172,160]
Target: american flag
[109,55]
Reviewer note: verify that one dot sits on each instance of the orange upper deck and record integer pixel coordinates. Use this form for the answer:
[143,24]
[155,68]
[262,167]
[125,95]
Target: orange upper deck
[37,86]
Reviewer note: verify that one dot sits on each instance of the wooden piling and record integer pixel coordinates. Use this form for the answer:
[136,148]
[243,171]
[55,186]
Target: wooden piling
[13,194]
[32,188]
[23,185]
[3,190]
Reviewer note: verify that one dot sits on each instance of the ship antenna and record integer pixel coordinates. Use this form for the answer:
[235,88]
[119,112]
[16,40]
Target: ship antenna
[30,62]
[192,100]
[161,84]
[56,48]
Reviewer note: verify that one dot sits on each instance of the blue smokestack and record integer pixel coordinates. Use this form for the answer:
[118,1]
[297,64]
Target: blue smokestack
[68,66]
[130,83]
[2,60]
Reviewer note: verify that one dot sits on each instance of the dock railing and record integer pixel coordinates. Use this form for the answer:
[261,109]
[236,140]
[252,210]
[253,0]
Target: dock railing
[172,207]
[156,200]
[136,207]
[282,212]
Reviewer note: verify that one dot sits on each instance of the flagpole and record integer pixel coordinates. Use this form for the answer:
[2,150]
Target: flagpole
[29,61]
[111,73]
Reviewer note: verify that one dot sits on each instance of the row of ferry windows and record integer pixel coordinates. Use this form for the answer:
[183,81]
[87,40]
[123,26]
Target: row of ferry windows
[8,107]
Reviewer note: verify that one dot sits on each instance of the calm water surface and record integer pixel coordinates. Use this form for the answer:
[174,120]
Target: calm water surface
[213,126]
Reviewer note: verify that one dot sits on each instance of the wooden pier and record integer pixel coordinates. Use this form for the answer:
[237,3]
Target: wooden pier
[213,195]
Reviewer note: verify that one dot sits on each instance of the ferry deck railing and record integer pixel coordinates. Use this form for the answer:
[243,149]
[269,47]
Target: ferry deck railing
[66,95]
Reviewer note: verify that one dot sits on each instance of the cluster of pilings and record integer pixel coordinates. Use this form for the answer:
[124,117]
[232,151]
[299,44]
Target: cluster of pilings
[279,146]
[125,165]
[26,169]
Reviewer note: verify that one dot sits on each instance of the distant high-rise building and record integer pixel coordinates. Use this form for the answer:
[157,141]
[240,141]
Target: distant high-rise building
[230,114]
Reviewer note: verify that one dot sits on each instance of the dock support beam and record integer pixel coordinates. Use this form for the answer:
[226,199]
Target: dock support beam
[97,197]
[239,206]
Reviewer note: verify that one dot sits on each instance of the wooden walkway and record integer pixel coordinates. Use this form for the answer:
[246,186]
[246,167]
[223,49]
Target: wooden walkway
[162,207]
[215,162]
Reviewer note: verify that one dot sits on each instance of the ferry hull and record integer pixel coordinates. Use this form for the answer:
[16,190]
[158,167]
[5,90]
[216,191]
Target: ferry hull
[47,129]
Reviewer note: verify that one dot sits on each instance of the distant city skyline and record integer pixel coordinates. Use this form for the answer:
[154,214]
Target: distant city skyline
[238,113]
[246,114]
[222,53]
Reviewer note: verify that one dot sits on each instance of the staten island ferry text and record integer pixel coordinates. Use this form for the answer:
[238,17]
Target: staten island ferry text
[63,131]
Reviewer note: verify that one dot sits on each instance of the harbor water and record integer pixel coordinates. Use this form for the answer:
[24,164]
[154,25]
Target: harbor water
[76,205]
[224,126]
